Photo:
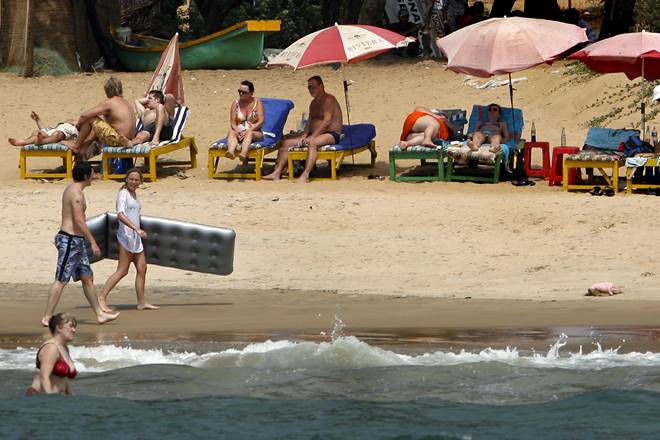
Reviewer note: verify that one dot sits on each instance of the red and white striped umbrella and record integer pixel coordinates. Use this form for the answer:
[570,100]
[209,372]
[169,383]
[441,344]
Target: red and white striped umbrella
[339,44]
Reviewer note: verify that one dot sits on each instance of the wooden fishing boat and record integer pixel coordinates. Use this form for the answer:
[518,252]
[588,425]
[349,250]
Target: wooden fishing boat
[237,47]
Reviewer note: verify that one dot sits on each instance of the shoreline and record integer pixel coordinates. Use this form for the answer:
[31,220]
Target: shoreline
[234,318]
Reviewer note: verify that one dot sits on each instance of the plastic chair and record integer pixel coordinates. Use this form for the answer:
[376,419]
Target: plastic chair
[557,173]
[544,171]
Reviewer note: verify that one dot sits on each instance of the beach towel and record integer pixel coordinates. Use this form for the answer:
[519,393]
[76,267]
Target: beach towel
[608,138]
[352,137]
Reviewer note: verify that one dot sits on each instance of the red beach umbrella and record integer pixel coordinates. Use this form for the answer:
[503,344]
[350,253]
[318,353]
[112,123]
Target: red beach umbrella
[635,54]
[167,76]
[505,45]
[345,44]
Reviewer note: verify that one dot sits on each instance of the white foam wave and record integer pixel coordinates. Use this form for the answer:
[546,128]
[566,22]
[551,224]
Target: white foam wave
[343,352]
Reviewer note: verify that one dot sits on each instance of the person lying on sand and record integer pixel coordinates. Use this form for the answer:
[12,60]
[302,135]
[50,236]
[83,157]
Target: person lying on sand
[111,122]
[493,130]
[64,132]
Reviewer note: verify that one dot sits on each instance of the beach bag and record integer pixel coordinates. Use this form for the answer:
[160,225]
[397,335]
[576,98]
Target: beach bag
[120,165]
[634,145]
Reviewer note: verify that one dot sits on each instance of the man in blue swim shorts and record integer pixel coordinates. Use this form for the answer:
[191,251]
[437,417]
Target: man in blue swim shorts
[72,259]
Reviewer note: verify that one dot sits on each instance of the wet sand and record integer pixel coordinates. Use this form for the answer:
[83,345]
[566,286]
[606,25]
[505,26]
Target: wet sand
[237,317]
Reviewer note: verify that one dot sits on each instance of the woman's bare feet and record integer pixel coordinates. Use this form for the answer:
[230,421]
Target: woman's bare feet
[230,155]
[147,306]
[243,159]
[103,317]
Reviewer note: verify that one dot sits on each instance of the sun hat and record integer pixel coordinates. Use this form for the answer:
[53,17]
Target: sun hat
[656,93]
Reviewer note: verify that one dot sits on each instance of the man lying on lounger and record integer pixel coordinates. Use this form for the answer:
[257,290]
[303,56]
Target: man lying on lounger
[324,128]
[64,132]
[111,122]
[156,118]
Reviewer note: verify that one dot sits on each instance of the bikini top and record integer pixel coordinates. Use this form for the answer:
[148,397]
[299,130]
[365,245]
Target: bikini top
[251,117]
[60,369]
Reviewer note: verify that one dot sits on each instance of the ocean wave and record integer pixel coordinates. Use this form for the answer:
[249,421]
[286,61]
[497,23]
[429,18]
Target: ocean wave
[344,352]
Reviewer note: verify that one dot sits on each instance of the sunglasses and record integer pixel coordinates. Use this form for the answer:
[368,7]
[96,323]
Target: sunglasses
[243,92]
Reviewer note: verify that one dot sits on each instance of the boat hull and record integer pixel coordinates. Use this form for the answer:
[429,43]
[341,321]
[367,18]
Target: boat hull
[238,47]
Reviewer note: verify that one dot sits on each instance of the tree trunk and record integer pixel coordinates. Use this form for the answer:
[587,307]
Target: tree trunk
[28,59]
[617,18]
[372,12]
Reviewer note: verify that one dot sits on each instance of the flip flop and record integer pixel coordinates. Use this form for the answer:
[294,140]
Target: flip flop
[596,191]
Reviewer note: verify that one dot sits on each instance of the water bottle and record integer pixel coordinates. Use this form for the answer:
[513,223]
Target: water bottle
[303,122]
[563,137]
[533,132]
[647,134]
[654,136]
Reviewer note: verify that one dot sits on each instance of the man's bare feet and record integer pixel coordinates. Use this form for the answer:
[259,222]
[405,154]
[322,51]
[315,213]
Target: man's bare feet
[147,306]
[125,142]
[16,142]
[103,317]
[302,179]
[230,155]
[44,321]
[272,176]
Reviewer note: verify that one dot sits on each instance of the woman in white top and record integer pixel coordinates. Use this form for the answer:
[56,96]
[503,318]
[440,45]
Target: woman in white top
[129,237]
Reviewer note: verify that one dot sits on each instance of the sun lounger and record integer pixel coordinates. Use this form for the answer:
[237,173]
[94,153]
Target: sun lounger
[150,152]
[356,138]
[276,112]
[46,150]
[600,152]
[458,118]
[482,165]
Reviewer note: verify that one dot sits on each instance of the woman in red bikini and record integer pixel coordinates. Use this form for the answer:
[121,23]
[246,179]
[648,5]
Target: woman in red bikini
[54,363]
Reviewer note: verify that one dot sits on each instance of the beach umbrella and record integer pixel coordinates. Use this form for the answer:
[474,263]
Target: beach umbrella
[636,54]
[505,45]
[344,44]
[167,76]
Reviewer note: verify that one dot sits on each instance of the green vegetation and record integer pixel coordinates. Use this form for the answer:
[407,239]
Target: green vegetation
[647,15]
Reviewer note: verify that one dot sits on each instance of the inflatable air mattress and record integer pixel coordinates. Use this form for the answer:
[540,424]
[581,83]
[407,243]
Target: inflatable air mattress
[171,243]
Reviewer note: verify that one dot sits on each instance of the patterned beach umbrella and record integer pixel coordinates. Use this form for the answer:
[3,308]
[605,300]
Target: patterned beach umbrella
[167,76]
[339,44]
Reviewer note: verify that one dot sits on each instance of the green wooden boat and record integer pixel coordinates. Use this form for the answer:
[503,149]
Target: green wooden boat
[237,47]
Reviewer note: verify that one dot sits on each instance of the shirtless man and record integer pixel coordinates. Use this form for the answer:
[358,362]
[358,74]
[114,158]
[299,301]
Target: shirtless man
[156,120]
[111,122]
[72,260]
[64,132]
[324,128]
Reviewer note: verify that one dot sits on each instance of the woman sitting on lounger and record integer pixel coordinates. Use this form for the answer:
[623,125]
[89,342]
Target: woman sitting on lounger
[493,131]
[421,127]
[246,120]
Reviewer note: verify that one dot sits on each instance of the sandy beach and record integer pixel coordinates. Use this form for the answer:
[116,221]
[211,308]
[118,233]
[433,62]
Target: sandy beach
[387,255]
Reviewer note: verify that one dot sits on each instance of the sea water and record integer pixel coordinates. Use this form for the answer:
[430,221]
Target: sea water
[342,388]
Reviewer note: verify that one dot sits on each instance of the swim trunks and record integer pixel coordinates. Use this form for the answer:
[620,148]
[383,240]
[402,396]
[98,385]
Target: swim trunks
[70,131]
[166,132]
[105,133]
[409,123]
[335,135]
[72,260]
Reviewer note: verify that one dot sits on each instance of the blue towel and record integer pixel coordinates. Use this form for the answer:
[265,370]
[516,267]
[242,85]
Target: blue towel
[608,138]
[480,113]
[276,112]
[355,136]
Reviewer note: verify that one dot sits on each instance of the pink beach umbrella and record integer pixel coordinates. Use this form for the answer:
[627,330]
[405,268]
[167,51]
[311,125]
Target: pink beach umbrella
[345,44]
[636,54]
[505,45]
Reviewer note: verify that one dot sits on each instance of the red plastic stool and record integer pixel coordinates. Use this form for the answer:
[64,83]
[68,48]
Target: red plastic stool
[557,172]
[537,172]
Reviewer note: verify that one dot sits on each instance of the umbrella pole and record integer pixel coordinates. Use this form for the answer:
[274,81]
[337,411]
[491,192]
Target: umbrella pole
[642,105]
[519,171]
[511,99]
[348,112]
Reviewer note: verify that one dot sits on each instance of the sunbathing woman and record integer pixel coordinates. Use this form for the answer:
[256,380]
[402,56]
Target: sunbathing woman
[53,360]
[64,131]
[493,130]
[421,127]
[246,119]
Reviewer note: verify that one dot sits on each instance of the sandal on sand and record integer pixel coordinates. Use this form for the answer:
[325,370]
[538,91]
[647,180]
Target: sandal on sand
[596,191]
[608,191]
